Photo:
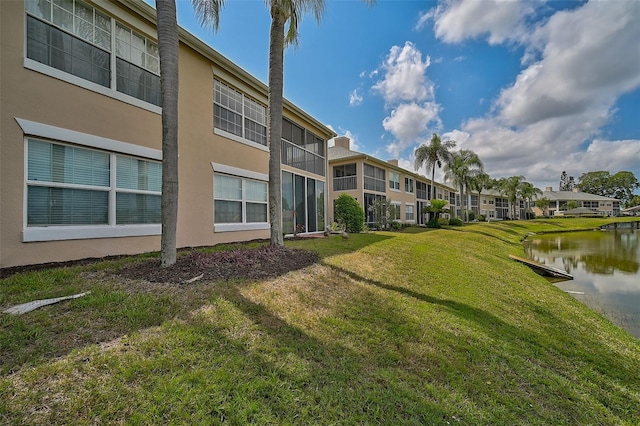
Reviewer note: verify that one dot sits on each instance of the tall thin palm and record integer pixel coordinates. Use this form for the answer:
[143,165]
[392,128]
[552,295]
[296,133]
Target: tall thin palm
[509,187]
[168,51]
[432,155]
[463,166]
[527,191]
[479,183]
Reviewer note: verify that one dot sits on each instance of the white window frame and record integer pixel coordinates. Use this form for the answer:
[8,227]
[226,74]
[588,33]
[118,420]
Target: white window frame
[394,181]
[73,232]
[407,207]
[244,174]
[409,185]
[86,84]
[397,208]
[230,135]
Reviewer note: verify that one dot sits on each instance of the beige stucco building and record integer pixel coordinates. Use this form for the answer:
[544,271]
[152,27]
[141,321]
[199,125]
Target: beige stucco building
[80,138]
[558,200]
[368,179]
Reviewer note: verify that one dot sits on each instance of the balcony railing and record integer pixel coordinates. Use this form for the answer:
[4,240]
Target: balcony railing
[344,183]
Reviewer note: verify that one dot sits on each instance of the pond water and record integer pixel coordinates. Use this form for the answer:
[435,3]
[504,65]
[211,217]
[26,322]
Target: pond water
[605,266]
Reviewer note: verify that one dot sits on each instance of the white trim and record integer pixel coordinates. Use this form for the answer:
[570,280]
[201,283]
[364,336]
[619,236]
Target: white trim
[240,139]
[229,227]
[59,233]
[230,170]
[32,128]
[86,84]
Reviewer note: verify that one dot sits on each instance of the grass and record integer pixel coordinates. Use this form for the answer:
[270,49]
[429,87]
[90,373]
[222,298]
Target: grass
[413,327]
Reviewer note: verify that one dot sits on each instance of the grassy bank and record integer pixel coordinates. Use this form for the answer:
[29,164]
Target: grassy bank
[414,327]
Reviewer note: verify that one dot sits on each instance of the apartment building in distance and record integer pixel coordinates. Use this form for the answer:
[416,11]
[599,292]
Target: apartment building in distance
[80,138]
[598,204]
[368,179]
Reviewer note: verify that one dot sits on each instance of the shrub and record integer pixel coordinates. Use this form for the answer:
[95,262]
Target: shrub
[443,221]
[433,223]
[472,215]
[349,213]
[454,221]
[482,218]
[395,226]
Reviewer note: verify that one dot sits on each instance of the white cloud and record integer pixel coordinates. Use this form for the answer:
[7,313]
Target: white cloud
[589,58]
[550,119]
[355,98]
[407,122]
[498,20]
[404,76]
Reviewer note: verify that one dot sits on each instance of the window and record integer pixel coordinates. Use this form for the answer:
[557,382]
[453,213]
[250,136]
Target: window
[408,210]
[239,200]
[408,185]
[302,204]
[394,211]
[238,114]
[423,191]
[302,149]
[394,181]
[69,185]
[374,178]
[344,177]
[75,38]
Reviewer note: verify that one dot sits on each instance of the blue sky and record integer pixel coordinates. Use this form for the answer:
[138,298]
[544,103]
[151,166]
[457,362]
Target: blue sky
[533,87]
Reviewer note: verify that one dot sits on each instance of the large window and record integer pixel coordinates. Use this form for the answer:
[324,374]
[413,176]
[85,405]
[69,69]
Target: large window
[302,149]
[394,181]
[408,185]
[374,178]
[302,204]
[70,185]
[239,200]
[423,190]
[409,215]
[344,177]
[77,39]
[238,114]
[394,211]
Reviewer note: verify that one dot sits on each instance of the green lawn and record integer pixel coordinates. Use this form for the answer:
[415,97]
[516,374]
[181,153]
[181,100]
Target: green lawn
[414,327]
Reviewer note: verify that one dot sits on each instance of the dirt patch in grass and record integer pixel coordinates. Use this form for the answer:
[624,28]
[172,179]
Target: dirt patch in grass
[241,264]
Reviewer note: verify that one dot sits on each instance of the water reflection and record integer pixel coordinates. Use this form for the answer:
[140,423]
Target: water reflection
[605,266]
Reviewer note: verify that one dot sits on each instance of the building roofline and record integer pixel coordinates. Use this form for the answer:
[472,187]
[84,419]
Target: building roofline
[149,12]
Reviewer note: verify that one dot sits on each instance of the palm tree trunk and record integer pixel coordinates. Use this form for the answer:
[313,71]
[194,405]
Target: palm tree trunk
[168,51]
[276,78]
[433,186]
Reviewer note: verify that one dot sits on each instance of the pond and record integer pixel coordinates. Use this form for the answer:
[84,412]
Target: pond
[605,266]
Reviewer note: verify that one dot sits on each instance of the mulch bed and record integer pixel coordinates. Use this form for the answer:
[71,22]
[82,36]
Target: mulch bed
[240,264]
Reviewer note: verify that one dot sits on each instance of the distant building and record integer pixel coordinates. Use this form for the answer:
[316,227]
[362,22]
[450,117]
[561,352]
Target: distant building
[605,206]
[368,179]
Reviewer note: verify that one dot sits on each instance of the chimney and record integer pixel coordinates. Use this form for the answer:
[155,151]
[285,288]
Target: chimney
[342,142]
[393,162]
[548,189]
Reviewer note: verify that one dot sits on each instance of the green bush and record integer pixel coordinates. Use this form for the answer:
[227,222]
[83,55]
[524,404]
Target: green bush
[454,221]
[472,215]
[395,226]
[443,221]
[482,218]
[349,213]
[433,223]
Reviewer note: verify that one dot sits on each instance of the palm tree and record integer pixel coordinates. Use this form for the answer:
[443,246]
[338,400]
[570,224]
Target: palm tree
[509,188]
[168,51]
[479,183]
[527,191]
[463,166]
[436,153]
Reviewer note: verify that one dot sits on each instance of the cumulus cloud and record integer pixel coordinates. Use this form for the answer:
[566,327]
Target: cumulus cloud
[407,122]
[576,66]
[404,76]
[497,20]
